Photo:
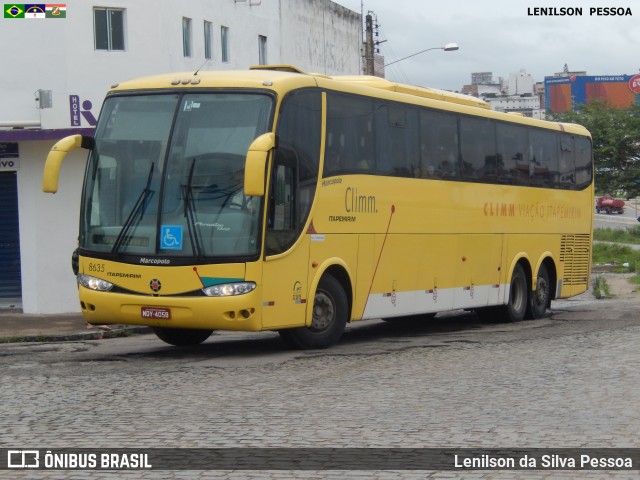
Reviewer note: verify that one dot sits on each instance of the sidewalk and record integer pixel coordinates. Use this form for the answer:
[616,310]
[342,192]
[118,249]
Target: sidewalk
[16,326]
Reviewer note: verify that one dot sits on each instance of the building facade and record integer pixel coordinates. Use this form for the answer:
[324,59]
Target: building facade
[483,85]
[517,94]
[57,68]
[565,92]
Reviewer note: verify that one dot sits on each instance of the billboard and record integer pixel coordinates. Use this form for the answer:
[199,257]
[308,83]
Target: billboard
[561,93]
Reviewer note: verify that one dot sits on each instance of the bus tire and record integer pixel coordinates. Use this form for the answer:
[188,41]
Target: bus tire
[181,337]
[329,317]
[540,299]
[516,306]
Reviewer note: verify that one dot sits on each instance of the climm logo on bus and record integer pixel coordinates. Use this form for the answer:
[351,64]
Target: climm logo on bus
[355,202]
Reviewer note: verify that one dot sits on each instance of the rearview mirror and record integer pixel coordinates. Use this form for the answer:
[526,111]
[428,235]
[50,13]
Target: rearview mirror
[255,166]
[56,156]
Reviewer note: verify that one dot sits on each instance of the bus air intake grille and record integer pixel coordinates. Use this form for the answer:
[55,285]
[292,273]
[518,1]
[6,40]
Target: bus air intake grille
[575,253]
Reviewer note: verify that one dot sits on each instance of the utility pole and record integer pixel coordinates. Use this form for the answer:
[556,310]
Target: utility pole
[368,46]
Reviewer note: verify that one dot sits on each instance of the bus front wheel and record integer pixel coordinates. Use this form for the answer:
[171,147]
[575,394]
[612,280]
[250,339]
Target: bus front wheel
[330,314]
[181,337]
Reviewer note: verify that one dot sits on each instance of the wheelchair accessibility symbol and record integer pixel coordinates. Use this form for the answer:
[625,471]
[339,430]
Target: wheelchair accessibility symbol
[171,237]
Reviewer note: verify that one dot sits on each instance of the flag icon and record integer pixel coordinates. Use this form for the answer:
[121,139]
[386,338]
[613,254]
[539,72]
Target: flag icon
[13,10]
[56,10]
[34,10]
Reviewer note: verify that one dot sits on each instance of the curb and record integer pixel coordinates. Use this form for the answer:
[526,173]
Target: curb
[75,337]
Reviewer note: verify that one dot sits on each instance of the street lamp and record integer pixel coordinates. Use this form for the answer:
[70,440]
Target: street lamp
[449,47]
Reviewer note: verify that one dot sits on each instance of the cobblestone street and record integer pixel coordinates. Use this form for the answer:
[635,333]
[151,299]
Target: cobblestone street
[568,381]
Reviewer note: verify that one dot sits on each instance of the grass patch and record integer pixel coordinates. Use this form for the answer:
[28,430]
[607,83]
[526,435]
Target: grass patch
[629,235]
[601,288]
[617,259]
[11,339]
[617,256]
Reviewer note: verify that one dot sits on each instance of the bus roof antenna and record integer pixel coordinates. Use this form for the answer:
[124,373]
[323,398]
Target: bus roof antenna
[200,67]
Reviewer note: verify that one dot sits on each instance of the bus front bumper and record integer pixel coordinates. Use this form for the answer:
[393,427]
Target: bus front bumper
[241,312]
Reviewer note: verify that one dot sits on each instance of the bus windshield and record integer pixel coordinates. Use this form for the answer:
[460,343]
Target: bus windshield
[166,175]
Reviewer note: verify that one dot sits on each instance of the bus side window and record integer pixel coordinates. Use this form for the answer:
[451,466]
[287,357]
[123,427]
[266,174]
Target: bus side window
[478,149]
[513,163]
[566,164]
[439,145]
[543,158]
[349,139]
[281,222]
[584,170]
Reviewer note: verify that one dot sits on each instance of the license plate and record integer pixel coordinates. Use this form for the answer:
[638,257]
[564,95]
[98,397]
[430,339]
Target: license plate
[155,313]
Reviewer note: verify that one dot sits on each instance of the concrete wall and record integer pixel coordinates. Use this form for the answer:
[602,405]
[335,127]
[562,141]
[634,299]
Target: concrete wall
[320,36]
[48,230]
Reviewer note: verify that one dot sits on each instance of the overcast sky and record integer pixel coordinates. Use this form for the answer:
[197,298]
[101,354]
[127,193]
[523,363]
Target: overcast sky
[500,36]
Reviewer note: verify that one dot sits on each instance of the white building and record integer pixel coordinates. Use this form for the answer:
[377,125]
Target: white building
[520,96]
[520,83]
[483,84]
[514,103]
[56,71]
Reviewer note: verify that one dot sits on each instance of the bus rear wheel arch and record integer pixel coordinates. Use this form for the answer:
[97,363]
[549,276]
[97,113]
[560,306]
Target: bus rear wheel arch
[329,317]
[524,302]
[516,307]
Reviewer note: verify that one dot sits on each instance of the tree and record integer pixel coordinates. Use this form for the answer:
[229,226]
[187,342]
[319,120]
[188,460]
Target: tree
[616,145]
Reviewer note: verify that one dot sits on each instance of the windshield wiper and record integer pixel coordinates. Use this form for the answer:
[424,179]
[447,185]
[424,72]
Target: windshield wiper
[136,212]
[189,213]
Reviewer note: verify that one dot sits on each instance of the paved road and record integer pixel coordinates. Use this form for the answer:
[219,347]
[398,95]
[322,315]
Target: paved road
[568,381]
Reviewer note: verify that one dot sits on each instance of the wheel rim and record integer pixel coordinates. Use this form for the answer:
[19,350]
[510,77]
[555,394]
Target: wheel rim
[324,312]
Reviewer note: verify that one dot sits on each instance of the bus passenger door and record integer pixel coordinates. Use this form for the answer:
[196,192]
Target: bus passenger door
[286,263]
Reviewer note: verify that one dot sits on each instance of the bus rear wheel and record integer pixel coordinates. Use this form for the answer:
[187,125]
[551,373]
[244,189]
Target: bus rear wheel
[181,337]
[516,307]
[330,314]
[540,299]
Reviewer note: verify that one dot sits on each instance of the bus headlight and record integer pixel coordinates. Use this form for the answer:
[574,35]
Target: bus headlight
[94,283]
[229,289]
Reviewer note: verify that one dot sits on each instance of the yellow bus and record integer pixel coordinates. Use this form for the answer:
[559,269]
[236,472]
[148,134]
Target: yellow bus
[272,199]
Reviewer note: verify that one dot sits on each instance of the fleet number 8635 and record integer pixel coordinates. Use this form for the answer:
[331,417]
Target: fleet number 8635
[96,267]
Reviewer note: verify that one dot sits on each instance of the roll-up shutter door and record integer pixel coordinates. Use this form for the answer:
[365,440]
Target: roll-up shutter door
[10,279]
